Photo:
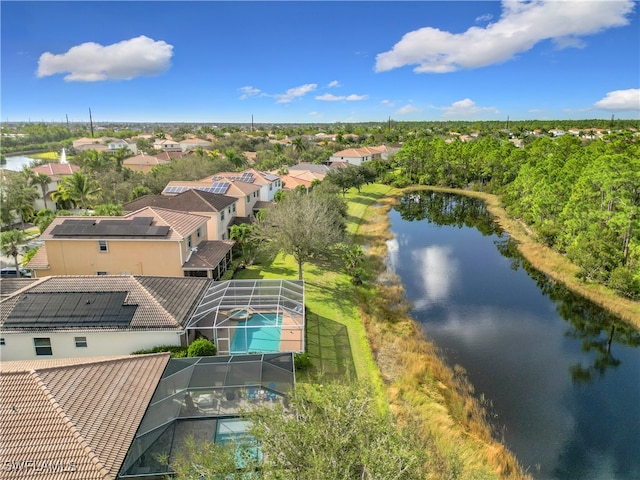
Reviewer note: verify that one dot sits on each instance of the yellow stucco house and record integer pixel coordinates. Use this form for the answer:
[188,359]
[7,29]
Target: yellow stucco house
[148,241]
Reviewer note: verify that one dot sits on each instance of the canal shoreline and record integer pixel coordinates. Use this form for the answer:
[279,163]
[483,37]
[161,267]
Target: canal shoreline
[550,262]
[423,391]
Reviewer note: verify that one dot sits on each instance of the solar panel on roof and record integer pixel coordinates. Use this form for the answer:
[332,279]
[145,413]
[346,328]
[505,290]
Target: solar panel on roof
[220,187]
[247,177]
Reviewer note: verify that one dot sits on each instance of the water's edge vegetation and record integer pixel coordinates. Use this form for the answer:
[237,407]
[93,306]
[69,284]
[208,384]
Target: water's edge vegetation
[422,390]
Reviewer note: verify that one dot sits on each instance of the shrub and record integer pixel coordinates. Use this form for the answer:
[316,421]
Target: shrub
[302,361]
[201,347]
[176,351]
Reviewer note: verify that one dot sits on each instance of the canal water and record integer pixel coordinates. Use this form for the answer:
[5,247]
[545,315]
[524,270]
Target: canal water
[563,376]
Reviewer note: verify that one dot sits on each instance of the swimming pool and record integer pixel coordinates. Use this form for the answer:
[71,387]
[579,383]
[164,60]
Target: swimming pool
[258,334]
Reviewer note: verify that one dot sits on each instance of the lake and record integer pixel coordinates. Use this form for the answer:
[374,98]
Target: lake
[562,374]
[16,163]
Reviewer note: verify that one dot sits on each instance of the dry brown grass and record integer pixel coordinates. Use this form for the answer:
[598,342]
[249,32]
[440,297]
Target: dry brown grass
[422,390]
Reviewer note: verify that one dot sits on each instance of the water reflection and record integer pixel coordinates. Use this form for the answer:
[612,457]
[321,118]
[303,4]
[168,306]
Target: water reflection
[561,372]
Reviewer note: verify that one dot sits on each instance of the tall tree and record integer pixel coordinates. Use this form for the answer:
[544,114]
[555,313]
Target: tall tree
[303,226]
[299,146]
[10,241]
[82,189]
[334,431]
[42,180]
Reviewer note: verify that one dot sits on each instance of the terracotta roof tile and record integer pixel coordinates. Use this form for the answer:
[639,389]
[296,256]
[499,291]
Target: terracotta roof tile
[163,304]
[73,422]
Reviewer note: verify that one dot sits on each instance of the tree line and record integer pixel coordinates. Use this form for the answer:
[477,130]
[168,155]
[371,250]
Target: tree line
[581,198]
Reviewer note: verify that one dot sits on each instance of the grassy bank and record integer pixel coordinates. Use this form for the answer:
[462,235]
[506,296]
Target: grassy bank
[554,264]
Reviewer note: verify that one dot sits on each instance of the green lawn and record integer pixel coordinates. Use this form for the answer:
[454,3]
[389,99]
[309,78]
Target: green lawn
[336,338]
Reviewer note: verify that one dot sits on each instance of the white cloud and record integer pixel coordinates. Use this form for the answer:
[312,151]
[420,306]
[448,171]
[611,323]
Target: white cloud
[248,91]
[620,100]
[328,97]
[484,18]
[295,92]
[335,83]
[388,103]
[522,25]
[465,108]
[92,62]
[407,109]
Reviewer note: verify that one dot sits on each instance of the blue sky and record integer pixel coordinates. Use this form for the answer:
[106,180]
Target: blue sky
[308,62]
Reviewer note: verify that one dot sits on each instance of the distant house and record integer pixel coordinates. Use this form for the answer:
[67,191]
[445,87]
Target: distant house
[221,209]
[269,183]
[143,163]
[56,172]
[168,145]
[303,175]
[79,316]
[124,414]
[149,241]
[246,193]
[358,156]
[116,144]
[193,143]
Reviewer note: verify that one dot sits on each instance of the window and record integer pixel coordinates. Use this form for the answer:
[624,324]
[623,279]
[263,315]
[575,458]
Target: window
[224,236]
[248,198]
[81,342]
[102,246]
[222,215]
[189,241]
[271,186]
[102,273]
[43,346]
[199,232]
[229,210]
[2,341]
[234,207]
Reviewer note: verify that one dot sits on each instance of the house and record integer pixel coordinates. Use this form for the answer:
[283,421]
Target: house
[246,193]
[125,413]
[357,156]
[167,145]
[143,163]
[116,144]
[269,183]
[56,172]
[221,209]
[81,316]
[149,241]
[304,175]
[54,432]
[87,316]
[81,142]
[193,143]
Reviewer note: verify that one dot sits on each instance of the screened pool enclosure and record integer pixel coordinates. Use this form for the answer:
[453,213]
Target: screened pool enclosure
[202,397]
[251,316]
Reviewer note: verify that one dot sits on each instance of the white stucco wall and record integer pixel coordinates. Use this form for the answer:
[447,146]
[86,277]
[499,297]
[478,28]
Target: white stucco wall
[21,346]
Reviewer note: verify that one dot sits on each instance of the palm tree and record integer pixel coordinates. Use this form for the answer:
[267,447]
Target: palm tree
[81,188]
[242,234]
[62,198]
[10,241]
[43,182]
[235,158]
[44,218]
[298,147]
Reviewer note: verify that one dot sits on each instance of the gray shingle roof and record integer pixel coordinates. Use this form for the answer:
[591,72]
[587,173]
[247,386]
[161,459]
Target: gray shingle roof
[191,200]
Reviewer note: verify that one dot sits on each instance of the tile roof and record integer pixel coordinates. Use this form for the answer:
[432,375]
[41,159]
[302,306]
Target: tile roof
[208,254]
[188,201]
[183,224]
[161,303]
[56,169]
[310,167]
[73,420]
[143,159]
[10,285]
[40,261]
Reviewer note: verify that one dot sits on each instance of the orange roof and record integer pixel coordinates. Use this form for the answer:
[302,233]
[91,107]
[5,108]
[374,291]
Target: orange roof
[143,159]
[56,169]
[73,420]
